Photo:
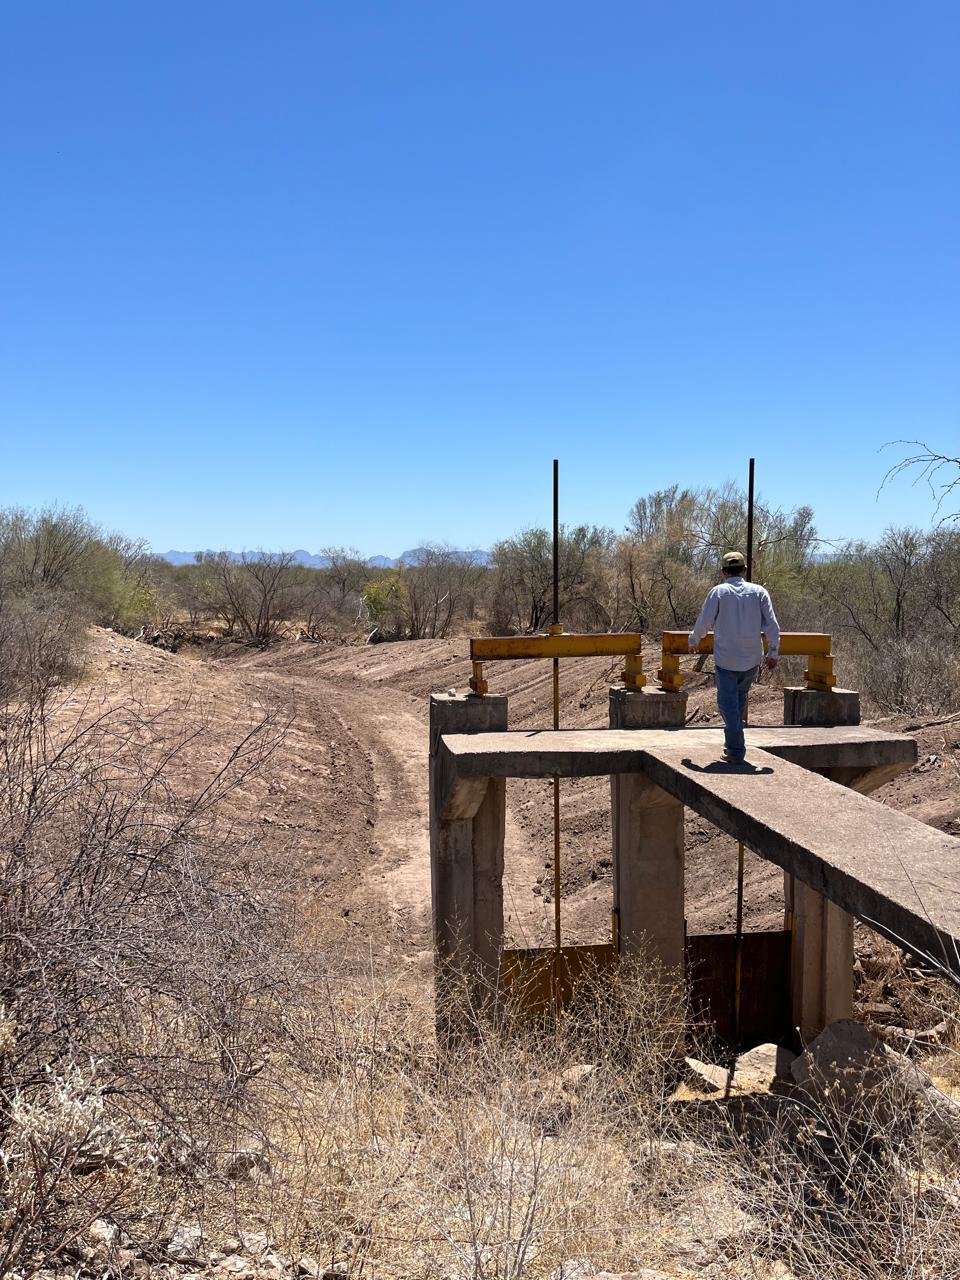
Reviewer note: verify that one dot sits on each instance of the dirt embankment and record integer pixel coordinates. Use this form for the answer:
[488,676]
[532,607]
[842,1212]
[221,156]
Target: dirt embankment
[344,798]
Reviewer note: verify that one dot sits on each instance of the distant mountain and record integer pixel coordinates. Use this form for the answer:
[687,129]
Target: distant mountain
[177,557]
[312,561]
[318,561]
[188,557]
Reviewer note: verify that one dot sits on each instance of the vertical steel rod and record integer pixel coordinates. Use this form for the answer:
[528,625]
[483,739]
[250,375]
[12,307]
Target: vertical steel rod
[738,945]
[556,725]
[750,523]
[556,541]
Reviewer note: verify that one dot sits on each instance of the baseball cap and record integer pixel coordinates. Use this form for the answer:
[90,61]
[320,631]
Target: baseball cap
[734,560]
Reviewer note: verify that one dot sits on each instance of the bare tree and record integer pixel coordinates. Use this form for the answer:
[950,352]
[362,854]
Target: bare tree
[257,594]
[436,588]
[928,466]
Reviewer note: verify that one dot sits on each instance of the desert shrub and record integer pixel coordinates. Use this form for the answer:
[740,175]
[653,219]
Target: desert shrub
[58,574]
[845,1183]
[505,1157]
[894,608]
[385,606]
[255,595]
[521,580]
[142,965]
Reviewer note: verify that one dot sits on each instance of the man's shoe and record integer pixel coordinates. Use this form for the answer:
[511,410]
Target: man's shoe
[729,759]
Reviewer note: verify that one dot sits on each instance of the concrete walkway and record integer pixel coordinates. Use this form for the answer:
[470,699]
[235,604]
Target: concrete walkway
[581,753]
[898,875]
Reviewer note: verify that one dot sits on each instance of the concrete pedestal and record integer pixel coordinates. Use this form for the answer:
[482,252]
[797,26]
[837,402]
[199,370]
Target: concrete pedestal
[646,708]
[466,871]
[647,824]
[822,966]
[813,707]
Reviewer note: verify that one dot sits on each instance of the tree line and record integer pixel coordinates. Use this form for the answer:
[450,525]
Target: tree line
[892,605]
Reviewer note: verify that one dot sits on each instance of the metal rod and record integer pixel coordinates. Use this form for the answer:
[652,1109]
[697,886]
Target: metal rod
[556,541]
[556,705]
[556,725]
[738,941]
[738,952]
[750,523]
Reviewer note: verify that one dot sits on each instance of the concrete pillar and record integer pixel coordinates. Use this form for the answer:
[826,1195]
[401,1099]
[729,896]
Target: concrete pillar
[813,707]
[648,869]
[822,965]
[466,874]
[648,862]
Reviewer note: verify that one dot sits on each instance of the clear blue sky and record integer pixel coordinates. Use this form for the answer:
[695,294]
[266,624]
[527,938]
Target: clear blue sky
[296,274]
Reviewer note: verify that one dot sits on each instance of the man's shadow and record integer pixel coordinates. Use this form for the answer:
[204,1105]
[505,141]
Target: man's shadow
[725,766]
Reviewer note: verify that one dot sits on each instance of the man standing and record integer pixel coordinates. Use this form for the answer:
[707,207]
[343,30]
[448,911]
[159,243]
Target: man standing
[738,612]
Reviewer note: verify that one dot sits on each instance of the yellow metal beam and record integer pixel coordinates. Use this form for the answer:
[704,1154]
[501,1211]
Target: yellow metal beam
[502,648]
[814,645]
[792,643]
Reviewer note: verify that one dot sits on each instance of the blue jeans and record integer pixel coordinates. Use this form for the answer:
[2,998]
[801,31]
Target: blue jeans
[732,690]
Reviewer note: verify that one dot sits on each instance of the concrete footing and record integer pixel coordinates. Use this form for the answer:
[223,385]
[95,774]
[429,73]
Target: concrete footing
[813,707]
[466,873]
[646,708]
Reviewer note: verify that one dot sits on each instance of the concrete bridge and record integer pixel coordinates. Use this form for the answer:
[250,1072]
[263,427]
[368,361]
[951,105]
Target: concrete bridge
[801,803]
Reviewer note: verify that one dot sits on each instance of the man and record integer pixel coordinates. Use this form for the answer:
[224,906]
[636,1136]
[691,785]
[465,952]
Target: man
[738,612]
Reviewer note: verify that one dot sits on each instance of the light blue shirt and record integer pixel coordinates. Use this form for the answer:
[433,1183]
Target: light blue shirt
[738,612]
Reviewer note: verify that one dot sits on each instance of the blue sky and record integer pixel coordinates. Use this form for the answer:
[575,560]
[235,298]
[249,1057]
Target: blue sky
[300,274]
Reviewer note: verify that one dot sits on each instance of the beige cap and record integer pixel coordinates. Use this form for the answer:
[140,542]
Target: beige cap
[734,560]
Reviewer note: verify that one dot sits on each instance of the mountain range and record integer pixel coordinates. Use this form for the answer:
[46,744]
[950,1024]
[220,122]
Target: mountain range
[319,561]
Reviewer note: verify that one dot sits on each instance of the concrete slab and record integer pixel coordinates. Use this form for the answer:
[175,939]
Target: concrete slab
[579,753]
[894,873]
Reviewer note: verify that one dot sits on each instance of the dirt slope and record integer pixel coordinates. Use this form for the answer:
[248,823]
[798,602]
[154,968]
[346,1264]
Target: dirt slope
[344,797]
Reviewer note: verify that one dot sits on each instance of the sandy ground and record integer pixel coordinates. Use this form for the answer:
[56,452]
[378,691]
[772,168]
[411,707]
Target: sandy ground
[344,797]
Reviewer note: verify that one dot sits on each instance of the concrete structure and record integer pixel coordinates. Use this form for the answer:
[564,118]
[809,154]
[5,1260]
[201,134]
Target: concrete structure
[466,859]
[647,829]
[822,932]
[818,707]
[647,708]
[846,855]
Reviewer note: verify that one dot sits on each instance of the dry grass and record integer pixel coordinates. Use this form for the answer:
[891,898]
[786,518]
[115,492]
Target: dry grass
[176,1045]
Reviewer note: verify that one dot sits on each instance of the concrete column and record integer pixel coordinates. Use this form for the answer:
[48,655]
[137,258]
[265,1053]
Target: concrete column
[466,873]
[822,966]
[648,872]
[648,862]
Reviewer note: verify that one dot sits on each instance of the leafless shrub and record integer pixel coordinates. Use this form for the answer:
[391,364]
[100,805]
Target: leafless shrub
[255,595]
[911,677]
[142,966]
[41,639]
[845,1185]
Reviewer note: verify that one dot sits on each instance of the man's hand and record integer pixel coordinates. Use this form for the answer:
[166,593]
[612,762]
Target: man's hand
[770,663]
[692,648]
